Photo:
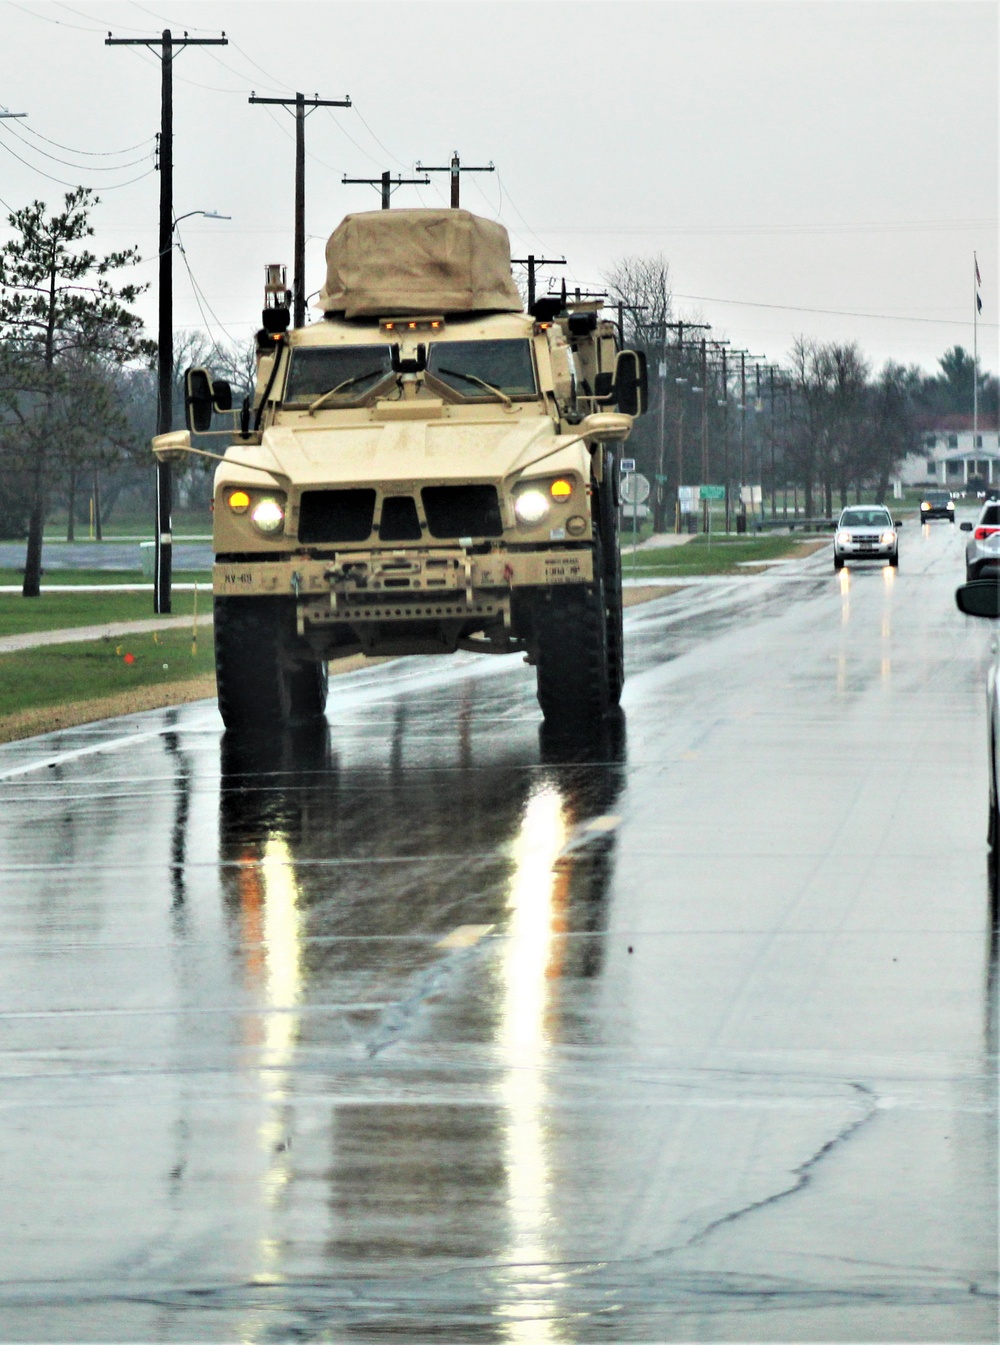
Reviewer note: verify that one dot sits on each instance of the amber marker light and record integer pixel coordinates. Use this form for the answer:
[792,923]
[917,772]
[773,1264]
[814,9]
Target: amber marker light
[561,490]
[239,501]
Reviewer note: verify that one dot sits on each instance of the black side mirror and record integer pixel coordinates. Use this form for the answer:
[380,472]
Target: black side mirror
[980,598]
[202,396]
[631,381]
[965,527]
[897,522]
[198,400]
[604,386]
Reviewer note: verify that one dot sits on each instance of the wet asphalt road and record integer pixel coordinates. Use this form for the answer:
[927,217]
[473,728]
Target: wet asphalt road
[437,1030]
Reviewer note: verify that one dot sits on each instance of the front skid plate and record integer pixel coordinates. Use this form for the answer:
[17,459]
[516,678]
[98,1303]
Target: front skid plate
[382,576]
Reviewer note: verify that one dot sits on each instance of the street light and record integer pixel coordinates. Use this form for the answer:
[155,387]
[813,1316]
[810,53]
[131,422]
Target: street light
[163,549]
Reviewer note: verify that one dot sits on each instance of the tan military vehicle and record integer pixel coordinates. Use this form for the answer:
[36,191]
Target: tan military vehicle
[429,468]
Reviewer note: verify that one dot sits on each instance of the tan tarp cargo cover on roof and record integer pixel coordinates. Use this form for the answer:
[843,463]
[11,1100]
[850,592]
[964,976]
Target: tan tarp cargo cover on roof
[384,262]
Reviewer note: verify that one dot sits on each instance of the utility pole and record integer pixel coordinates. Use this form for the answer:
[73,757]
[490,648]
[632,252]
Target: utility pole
[624,308]
[385,184]
[455,168]
[533,263]
[659,493]
[168,44]
[300,103]
[774,475]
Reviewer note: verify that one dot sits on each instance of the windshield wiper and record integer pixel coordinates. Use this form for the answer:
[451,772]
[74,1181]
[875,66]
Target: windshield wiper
[471,378]
[348,382]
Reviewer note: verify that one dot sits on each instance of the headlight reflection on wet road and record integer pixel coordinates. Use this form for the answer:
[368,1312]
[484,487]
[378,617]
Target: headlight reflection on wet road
[272,929]
[536,901]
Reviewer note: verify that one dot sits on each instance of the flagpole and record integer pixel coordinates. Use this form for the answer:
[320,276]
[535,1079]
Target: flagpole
[975,352]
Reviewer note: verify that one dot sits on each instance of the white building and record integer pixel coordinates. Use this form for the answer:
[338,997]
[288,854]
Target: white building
[950,459]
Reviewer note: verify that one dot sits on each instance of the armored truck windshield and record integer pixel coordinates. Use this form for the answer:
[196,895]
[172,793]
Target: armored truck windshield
[480,369]
[354,370]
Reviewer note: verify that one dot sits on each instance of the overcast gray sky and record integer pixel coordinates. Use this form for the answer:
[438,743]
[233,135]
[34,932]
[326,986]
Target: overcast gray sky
[792,161]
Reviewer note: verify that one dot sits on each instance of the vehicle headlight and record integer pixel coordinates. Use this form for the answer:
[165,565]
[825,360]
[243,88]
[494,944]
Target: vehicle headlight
[531,506]
[924,504]
[239,501]
[843,538]
[268,514]
[888,538]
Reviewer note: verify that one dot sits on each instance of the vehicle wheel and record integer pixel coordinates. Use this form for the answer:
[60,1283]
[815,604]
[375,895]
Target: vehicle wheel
[571,639]
[894,560]
[838,562]
[266,678]
[614,607]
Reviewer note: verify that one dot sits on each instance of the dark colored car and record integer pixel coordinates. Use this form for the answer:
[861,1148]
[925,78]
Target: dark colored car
[937,504]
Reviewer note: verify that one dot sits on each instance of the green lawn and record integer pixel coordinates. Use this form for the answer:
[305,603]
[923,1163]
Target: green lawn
[700,556]
[55,611]
[62,674]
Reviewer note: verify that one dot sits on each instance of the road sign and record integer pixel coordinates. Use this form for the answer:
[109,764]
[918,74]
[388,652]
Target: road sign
[687,498]
[635,488]
[751,496]
[711,492]
[628,464]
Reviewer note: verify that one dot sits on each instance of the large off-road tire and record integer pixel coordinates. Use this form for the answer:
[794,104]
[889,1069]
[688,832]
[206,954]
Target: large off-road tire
[266,678]
[607,511]
[571,639]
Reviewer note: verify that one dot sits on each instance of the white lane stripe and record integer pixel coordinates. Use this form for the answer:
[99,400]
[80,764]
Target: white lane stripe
[171,1010]
[464,936]
[113,745]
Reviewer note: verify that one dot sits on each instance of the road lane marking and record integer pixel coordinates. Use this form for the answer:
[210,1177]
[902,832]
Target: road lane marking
[113,745]
[464,936]
[590,831]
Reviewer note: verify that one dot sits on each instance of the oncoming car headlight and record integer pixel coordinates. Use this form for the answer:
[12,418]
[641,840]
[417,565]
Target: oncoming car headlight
[268,514]
[531,506]
[888,538]
[843,538]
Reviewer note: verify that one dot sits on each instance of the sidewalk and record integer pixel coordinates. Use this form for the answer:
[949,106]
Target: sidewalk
[12,644]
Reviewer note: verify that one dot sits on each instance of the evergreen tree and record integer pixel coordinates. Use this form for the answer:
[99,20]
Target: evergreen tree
[60,313]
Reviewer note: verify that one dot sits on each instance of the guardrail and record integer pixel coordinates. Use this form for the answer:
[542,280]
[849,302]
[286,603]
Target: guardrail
[806,524]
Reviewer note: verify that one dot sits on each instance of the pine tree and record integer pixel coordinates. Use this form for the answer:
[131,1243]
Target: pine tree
[59,310]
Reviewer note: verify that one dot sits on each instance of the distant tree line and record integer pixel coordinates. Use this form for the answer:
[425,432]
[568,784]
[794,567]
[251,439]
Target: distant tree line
[823,424]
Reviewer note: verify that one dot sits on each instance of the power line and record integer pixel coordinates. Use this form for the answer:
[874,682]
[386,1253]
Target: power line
[92,168]
[110,186]
[829,312]
[94,153]
[60,23]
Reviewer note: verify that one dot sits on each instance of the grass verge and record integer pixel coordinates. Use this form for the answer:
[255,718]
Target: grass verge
[100,669]
[718,557]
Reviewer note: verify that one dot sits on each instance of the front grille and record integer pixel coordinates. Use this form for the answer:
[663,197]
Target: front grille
[866,539]
[336,515]
[462,511]
[399,522]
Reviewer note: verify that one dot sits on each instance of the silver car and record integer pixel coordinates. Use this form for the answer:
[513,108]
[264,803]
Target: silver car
[865,532]
[982,551]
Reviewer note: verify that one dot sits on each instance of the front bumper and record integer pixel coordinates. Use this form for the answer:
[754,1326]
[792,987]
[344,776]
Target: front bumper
[381,577]
[860,551]
[949,514]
